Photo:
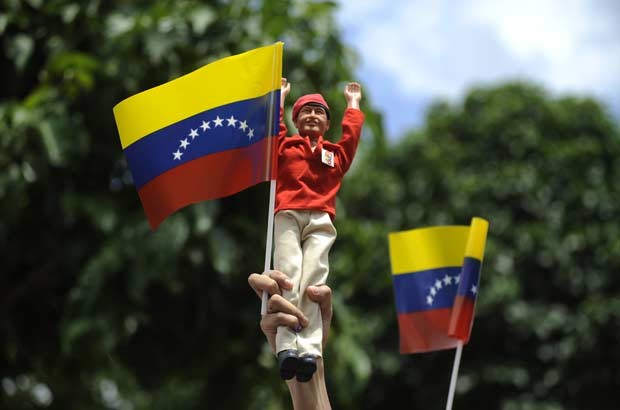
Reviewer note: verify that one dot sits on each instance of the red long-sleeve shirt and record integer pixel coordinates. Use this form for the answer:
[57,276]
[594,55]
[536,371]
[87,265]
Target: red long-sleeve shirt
[304,181]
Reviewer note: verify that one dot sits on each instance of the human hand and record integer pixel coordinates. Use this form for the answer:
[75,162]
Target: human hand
[285,88]
[353,95]
[281,312]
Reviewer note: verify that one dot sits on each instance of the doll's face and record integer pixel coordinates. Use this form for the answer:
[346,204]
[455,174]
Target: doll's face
[312,121]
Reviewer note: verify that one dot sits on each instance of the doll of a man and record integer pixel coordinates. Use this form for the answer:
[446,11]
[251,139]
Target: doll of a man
[310,171]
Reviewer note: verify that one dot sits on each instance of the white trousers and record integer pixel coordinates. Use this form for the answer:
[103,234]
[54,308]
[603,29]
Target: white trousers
[302,240]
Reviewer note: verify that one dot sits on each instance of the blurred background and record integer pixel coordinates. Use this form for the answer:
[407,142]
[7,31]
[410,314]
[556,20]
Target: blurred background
[505,110]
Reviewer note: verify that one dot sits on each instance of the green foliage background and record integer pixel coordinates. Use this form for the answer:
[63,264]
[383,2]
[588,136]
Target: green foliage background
[97,312]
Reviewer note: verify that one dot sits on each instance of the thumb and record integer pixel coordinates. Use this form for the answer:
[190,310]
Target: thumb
[322,295]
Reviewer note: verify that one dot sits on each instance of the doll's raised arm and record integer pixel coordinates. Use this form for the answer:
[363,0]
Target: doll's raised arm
[285,88]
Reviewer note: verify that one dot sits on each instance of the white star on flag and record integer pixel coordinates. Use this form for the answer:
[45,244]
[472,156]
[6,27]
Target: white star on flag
[438,284]
[193,133]
[251,133]
[447,280]
[457,279]
[433,292]
[231,121]
[218,121]
[243,125]
[177,155]
[429,300]
[474,289]
[184,143]
[205,125]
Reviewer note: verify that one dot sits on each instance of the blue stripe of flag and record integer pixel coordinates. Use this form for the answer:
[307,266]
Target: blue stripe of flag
[413,290]
[469,277]
[152,155]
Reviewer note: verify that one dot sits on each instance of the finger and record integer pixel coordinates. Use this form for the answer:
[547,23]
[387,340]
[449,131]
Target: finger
[263,283]
[270,323]
[277,304]
[322,294]
[281,279]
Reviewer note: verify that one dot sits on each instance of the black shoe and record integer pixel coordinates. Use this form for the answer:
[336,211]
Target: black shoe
[288,362]
[306,369]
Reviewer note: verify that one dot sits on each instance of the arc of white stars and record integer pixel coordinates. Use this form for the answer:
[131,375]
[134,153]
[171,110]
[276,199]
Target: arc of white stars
[440,283]
[218,122]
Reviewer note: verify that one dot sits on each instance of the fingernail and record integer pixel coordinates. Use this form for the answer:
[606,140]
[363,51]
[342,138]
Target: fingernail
[288,282]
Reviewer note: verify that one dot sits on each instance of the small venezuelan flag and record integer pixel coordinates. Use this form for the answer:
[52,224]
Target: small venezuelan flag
[205,135]
[436,272]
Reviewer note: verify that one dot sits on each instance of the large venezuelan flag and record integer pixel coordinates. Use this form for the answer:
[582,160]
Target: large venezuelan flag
[436,272]
[205,135]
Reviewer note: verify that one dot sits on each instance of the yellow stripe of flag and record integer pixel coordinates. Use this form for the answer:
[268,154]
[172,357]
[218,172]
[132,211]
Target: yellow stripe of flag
[436,247]
[427,248]
[219,83]
[477,238]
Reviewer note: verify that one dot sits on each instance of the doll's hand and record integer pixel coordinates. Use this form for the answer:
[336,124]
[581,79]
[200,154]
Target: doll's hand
[353,95]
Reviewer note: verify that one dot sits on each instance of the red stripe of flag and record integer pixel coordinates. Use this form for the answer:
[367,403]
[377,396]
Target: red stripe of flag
[209,177]
[462,318]
[425,331]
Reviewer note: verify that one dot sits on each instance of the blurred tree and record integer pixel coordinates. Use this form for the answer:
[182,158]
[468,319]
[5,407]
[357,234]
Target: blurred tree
[544,172]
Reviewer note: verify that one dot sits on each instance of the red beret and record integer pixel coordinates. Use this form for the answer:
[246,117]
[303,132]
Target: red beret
[309,99]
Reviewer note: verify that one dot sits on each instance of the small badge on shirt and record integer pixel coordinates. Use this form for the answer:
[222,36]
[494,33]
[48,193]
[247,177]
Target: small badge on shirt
[327,157]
